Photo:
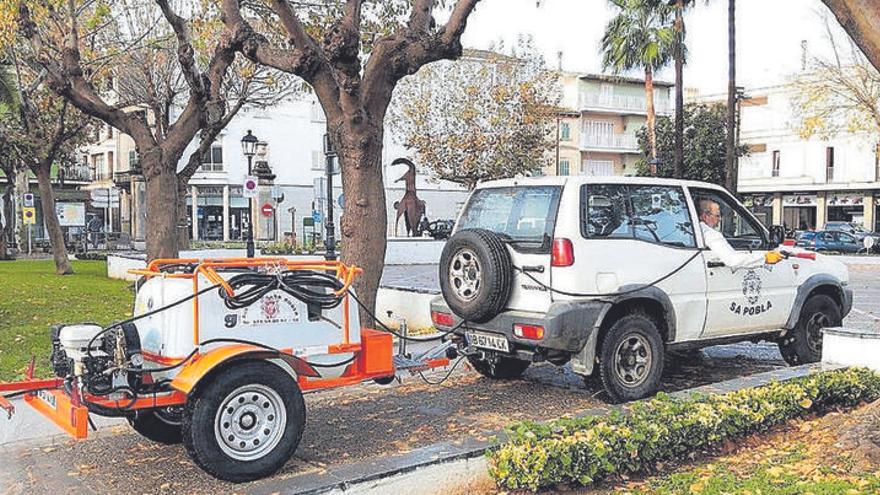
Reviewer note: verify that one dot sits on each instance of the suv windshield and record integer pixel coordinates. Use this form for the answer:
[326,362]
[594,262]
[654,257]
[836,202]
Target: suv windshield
[524,214]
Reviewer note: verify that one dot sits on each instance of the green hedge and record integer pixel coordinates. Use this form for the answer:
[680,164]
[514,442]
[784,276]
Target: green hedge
[582,451]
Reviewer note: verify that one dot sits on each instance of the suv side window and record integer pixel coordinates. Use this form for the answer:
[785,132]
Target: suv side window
[604,212]
[660,214]
[741,231]
[657,214]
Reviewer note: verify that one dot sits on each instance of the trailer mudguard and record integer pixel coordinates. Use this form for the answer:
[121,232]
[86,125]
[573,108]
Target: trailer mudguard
[193,372]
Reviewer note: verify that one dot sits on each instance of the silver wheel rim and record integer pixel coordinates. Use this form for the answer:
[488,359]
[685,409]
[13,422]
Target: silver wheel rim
[632,360]
[251,422]
[465,275]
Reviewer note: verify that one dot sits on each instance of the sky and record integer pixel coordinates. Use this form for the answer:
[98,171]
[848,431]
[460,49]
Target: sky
[769,35]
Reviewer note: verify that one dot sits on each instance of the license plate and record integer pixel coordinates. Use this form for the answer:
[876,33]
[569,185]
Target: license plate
[488,341]
[48,398]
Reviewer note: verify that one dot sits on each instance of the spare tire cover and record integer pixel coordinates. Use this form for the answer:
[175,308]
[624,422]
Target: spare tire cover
[476,274]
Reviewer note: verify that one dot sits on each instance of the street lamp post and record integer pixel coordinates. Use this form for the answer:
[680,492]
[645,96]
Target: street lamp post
[329,154]
[249,148]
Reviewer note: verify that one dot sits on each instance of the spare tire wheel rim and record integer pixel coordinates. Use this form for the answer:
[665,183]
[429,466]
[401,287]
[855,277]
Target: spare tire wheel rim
[632,360]
[465,275]
[251,422]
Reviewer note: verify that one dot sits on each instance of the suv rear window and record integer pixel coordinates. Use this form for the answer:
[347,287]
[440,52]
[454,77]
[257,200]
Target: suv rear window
[525,214]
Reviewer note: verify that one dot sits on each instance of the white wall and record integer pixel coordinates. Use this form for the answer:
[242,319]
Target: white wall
[801,161]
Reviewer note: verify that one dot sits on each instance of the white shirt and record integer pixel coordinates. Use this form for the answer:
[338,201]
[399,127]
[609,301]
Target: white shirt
[732,258]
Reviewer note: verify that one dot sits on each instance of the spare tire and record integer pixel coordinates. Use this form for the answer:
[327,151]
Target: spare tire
[476,274]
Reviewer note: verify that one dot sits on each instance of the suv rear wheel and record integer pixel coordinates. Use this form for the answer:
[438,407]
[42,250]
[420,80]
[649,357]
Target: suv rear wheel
[631,358]
[804,344]
[501,368]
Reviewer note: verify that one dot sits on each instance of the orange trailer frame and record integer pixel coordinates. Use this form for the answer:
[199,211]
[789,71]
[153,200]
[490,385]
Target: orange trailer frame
[373,354]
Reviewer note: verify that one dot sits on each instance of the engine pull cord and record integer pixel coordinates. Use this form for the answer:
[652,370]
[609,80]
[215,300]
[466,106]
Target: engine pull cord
[610,294]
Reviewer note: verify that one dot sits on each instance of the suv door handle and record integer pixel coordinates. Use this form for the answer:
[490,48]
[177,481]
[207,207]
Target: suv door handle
[714,264]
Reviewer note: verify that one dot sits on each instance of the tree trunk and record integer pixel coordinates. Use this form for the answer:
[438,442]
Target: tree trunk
[649,100]
[861,20]
[9,220]
[730,178]
[50,220]
[161,192]
[679,90]
[183,231]
[364,246]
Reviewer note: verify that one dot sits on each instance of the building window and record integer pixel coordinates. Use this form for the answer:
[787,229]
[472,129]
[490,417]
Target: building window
[133,160]
[775,172]
[212,160]
[829,164]
[564,167]
[565,131]
[98,163]
[109,132]
[598,168]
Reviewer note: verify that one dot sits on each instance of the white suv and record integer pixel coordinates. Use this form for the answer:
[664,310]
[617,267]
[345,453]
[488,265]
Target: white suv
[609,273]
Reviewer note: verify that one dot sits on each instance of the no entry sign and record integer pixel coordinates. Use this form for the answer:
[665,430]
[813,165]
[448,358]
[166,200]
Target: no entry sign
[267,210]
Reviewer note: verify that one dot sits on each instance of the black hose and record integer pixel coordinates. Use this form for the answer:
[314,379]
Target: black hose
[310,287]
[386,328]
[610,294]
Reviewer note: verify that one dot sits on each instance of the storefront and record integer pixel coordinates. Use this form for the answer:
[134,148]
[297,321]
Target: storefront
[761,205]
[799,211]
[849,207]
[239,214]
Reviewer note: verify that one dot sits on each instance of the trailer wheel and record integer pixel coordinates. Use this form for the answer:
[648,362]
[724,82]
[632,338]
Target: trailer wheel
[245,423]
[158,426]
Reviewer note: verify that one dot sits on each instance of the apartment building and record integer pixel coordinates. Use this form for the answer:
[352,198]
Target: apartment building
[804,183]
[597,132]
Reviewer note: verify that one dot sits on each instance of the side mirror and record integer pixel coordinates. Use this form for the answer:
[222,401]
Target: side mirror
[777,236]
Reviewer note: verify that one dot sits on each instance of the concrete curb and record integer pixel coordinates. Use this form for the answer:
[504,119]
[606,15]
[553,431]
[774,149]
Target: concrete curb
[427,470]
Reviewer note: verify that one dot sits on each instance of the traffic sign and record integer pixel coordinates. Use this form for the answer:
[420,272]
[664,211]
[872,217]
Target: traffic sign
[249,187]
[308,222]
[316,216]
[28,199]
[267,210]
[29,215]
[341,200]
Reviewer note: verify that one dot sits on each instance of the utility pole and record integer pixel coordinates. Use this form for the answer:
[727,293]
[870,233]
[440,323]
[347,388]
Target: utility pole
[329,155]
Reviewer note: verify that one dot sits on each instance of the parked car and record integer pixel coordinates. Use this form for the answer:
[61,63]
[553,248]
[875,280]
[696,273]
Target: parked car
[830,240]
[611,273]
[806,239]
[855,230]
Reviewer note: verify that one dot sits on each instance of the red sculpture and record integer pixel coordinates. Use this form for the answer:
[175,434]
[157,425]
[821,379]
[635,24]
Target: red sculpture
[410,207]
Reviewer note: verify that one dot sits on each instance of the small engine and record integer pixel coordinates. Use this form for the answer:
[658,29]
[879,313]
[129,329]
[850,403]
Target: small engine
[113,353]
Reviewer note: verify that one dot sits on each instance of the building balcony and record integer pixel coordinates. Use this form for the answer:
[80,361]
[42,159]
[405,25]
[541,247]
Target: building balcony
[619,143]
[620,104]
[81,173]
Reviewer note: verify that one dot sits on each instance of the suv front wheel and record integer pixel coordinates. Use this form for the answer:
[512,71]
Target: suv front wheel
[631,358]
[804,344]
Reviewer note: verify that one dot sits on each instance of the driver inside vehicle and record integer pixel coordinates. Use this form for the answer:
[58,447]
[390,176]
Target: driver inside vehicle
[710,219]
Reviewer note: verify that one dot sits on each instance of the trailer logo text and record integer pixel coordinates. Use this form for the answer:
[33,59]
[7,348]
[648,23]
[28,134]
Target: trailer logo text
[272,308]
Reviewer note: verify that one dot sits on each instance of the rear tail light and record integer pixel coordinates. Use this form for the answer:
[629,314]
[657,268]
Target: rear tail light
[442,319]
[531,332]
[563,253]
[788,242]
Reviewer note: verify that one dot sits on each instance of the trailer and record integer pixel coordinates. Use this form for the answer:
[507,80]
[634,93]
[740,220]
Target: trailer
[217,356]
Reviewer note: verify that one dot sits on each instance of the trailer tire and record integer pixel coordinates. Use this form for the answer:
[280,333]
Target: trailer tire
[245,423]
[153,426]
[476,274]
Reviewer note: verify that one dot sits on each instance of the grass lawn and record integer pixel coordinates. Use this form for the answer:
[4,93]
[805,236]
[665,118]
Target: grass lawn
[32,298]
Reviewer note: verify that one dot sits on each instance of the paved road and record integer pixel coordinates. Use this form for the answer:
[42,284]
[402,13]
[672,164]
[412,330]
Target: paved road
[368,422]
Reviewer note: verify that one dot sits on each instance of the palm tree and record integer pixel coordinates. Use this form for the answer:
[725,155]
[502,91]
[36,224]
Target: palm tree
[678,25]
[730,181]
[640,36]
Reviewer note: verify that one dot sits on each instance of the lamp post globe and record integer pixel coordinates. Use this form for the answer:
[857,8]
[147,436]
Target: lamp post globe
[249,148]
